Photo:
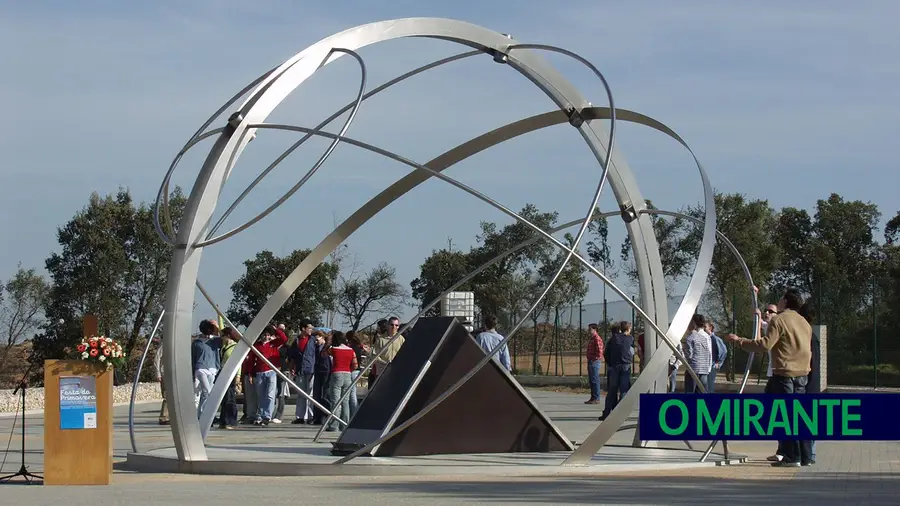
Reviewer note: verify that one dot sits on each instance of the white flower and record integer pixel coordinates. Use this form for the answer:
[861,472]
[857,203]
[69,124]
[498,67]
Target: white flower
[85,355]
[102,358]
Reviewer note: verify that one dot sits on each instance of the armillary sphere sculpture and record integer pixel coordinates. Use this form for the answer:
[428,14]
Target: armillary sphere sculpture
[197,232]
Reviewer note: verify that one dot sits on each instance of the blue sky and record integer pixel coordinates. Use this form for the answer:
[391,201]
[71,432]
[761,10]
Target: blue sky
[788,101]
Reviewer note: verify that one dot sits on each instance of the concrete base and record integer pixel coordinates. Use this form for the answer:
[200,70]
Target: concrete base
[314,459]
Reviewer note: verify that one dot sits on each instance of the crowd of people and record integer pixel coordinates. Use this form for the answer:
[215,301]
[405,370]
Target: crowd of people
[785,336]
[325,364]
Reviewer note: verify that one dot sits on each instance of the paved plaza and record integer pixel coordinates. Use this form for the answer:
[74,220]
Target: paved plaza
[844,472]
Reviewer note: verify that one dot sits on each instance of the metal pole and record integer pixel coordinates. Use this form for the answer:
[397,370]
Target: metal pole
[556,342]
[874,333]
[605,318]
[633,357]
[512,320]
[137,379]
[581,337]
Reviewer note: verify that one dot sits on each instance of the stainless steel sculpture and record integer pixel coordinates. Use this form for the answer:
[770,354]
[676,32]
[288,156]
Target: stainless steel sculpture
[268,91]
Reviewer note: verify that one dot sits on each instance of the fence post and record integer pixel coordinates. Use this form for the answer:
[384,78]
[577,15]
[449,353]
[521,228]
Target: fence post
[874,332]
[733,330]
[556,341]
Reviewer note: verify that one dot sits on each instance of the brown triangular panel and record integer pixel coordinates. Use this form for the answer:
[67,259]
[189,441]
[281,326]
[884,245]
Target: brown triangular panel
[489,414]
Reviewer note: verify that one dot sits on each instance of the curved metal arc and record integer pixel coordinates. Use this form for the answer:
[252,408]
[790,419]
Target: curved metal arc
[210,409]
[706,251]
[163,192]
[255,109]
[753,298]
[659,361]
[401,159]
[467,189]
[352,105]
[137,379]
[355,108]
[641,232]
[603,158]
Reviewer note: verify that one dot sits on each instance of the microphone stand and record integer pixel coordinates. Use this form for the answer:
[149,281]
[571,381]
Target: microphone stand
[23,471]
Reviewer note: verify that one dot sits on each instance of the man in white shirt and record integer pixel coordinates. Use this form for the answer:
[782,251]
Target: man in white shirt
[490,338]
[698,352]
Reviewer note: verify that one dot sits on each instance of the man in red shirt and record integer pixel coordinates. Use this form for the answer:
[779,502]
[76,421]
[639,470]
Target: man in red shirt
[594,357]
[264,378]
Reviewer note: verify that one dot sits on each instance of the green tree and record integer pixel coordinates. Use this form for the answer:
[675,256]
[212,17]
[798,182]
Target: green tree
[22,299]
[493,241]
[749,225]
[111,264]
[599,253]
[264,274]
[833,257]
[888,276]
[676,261]
[439,272]
[376,293]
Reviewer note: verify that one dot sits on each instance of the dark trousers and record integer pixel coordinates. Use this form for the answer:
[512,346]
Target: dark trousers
[618,381]
[320,384]
[229,414]
[793,451]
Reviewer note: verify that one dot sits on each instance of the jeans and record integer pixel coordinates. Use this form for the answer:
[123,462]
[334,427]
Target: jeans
[673,378]
[251,404]
[304,408]
[689,386]
[711,379]
[594,378]
[203,382]
[265,394]
[279,399]
[618,381]
[229,407]
[320,382]
[354,400]
[793,451]
[164,409]
[340,384]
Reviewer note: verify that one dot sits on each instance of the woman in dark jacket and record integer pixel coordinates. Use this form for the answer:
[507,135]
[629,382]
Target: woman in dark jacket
[322,371]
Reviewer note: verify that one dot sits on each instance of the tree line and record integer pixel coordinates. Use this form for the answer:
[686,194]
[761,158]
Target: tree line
[834,255]
[111,263]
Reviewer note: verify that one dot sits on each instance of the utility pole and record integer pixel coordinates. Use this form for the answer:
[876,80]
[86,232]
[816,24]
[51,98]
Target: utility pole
[874,331]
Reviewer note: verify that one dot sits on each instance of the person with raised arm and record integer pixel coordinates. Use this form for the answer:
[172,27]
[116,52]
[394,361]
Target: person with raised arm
[264,376]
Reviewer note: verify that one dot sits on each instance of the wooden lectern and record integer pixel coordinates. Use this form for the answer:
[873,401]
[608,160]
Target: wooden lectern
[78,432]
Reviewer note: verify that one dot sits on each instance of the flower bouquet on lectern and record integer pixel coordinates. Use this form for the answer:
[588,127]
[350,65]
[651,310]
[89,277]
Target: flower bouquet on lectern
[101,350]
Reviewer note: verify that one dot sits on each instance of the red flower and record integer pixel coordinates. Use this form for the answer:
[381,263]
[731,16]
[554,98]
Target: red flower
[81,348]
[93,343]
[106,351]
[94,352]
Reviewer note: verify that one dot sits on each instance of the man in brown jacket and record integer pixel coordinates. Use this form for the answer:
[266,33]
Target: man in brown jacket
[789,338]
